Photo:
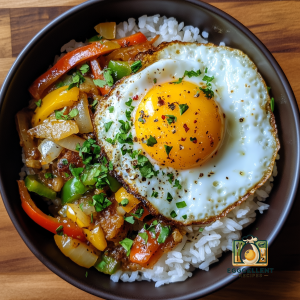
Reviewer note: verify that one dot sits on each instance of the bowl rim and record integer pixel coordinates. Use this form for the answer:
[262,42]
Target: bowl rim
[266,53]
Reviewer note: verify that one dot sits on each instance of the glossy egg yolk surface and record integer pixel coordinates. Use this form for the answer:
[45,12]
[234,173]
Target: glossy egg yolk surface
[184,123]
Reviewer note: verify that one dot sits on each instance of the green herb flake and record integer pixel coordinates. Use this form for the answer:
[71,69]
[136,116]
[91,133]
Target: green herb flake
[151,141]
[164,233]
[136,66]
[108,125]
[75,171]
[144,236]
[154,194]
[95,38]
[127,244]
[129,219]
[86,274]
[181,204]
[173,214]
[64,161]
[179,81]
[138,213]
[145,167]
[39,103]
[154,80]
[60,84]
[84,68]
[110,166]
[99,82]
[269,88]
[208,78]
[100,202]
[168,149]
[192,139]
[59,230]
[201,229]
[77,79]
[206,70]
[59,114]
[49,175]
[94,104]
[142,120]
[192,73]
[171,177]
[184,217]
[177,184]
[169,197]
[124,202]
[171,119]
[183,108]
[66,174]
[111,109]
[272,104]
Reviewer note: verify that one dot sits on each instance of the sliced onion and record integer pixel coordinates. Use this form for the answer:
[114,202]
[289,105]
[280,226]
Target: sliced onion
[83,118]
[79,252]
[75,213]
[87,206]
[49,151]
[121,211]
[71,142]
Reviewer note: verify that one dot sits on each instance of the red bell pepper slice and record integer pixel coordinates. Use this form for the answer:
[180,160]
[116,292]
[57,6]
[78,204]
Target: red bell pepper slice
[96,69]
[47,222]
[69,61]
[133,39]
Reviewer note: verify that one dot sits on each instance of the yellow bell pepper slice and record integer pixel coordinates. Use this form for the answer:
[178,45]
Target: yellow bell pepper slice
[122,194]
[75,214]
[96,237]
[57,99]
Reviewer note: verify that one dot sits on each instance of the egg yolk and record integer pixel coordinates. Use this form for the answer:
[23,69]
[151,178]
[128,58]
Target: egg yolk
[187,126]
[249,254]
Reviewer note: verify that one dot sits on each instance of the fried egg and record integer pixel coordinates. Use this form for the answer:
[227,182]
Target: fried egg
[208,153]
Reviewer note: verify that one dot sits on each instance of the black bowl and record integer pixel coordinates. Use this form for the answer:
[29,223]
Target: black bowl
[78,23]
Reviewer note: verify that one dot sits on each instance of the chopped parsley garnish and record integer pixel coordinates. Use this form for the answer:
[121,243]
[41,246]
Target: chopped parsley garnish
[272,104]
[183,108]
[59,230]
[59,114]
[124,139]
[138,213]
[208,92]
[124,202]
[177,184]
[64,161]
[111,109]
[128,114]
[75,171]
[99,82]
[164,233]
[141,120]
[94,104]
[181,204]
[49,175]
[92,218]
[154,194]
[192,139]
[151,227]
[66,174]
[145,167]
[169,197]
[179,81]
[86,274]
[144,236]
[135,153]
[184,217]
[136,66]
[168,149]
[38,103]
[171,177]
[77,79]
[151,141]
[127,244]
[108,125]
[111,141]
[192,73]
[129,102]
[108,77]
[84,68]
[100,202]
[201,229]
[110,166]
[154,80]
[171,119]
[268,88]
[173,214]
[129,219]
[95,38]
[81,206]
[125,126]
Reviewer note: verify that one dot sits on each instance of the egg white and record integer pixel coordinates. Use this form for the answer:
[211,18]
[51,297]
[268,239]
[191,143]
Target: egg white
[246,157]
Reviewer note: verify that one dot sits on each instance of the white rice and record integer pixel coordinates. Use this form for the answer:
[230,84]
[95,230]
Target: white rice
[198,250]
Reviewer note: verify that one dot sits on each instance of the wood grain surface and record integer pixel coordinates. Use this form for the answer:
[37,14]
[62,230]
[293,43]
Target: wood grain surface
[276,24]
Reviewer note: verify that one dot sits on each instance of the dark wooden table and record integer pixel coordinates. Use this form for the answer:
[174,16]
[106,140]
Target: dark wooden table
[276,24]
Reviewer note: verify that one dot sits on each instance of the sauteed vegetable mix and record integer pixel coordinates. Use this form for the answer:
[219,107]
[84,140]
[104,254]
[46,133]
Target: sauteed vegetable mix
[95,221]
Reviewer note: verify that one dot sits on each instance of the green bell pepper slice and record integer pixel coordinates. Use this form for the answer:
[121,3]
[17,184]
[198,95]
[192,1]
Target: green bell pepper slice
[72,190]
[119,69]
[107,265]
[34,185]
